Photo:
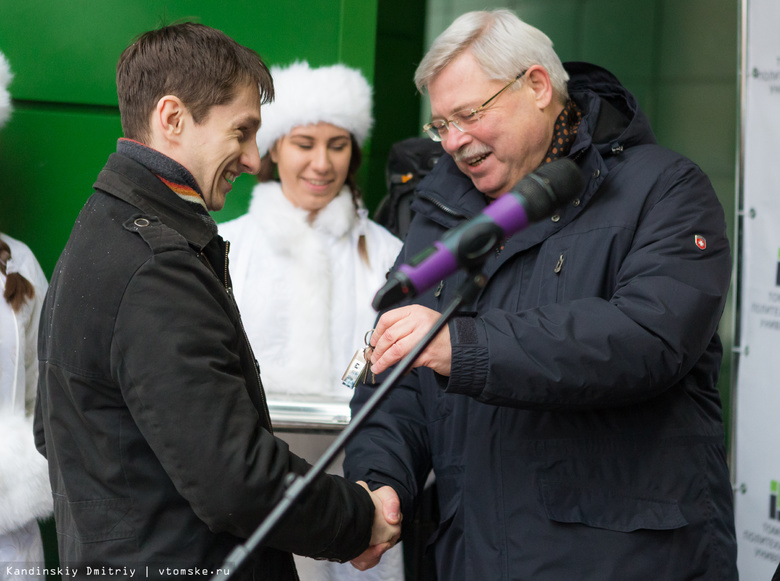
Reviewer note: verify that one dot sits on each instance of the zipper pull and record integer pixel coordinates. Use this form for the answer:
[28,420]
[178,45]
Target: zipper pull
[228,286]
[439,288]
[559,266]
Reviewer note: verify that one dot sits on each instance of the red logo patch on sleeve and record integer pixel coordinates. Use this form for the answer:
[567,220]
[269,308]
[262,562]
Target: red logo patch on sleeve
[701,242]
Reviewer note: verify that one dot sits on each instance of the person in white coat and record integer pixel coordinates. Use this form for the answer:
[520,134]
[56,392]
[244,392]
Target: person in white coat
[306,260]
[25,493]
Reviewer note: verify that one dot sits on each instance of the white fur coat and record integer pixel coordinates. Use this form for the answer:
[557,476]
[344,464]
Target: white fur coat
[303,290]
[25,493]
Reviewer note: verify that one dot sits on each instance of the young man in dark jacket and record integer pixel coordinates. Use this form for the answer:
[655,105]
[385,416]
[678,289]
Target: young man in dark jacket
[570,414]
[151,410]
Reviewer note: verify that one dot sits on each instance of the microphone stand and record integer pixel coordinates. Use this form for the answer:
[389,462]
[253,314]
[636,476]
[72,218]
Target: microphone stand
[296,484]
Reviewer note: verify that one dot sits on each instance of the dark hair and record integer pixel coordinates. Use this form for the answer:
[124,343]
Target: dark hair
[357,195]
[17,288]
[354,165]
[202,66]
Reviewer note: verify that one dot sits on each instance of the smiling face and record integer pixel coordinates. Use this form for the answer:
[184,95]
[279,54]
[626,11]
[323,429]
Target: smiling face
[514,130]
[222,147]
[313,163]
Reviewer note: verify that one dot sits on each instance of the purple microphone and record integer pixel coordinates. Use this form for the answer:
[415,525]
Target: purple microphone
[533,198]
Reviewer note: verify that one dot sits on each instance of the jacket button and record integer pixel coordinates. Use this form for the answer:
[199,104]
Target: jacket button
[141,222]
[576,202]
[596,173]
[555,218]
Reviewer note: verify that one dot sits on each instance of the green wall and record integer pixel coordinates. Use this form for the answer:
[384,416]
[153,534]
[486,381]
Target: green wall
[399,48]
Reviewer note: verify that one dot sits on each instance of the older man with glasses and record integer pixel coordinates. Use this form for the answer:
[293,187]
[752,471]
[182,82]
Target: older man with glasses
[570,413]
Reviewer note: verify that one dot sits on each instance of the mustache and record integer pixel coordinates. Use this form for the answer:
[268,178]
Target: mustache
[466,152]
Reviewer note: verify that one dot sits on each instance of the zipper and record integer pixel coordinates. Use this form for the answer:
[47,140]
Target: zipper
[207,262]
[442,207]
[257,370]
[214,270]
[229,292]
[578,154]
[227,250]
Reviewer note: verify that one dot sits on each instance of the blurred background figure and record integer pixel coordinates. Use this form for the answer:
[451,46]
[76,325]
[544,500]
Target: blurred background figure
[306,260]
[25,494]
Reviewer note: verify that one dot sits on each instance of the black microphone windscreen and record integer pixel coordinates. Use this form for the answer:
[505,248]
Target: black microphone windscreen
[549,187]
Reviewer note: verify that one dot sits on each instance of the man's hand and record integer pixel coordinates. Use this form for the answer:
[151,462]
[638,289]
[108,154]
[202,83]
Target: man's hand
[399,330]
[387,526]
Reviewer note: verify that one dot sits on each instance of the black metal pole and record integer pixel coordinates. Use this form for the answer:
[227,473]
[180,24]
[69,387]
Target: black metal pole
[296,483]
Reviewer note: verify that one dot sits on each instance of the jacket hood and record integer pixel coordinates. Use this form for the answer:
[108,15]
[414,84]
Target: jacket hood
[612,118]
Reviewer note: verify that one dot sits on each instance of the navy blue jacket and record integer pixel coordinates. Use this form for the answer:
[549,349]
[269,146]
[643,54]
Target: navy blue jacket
[579,435]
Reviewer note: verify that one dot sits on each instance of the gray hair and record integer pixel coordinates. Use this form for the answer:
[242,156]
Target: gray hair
[502,44]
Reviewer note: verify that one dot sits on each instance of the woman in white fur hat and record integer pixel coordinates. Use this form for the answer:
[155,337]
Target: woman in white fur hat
[306,261]
[25,493]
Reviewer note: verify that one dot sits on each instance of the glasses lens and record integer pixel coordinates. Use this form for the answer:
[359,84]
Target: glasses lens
[466,119]
[436,130]
[432,133]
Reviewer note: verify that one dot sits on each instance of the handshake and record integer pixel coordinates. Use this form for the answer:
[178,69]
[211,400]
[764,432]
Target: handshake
[387,526]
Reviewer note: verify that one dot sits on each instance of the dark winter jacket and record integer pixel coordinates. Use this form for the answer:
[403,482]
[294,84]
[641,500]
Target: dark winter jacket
[152,413]
[579,435]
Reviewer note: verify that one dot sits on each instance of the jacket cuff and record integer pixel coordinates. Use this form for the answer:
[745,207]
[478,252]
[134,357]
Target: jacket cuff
[353,535]
[469,368]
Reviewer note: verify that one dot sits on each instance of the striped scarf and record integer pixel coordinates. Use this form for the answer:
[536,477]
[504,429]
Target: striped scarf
[171,173]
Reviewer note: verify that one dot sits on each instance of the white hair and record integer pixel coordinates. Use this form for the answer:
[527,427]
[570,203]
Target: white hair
[334,94]
[502,44]
[5,97]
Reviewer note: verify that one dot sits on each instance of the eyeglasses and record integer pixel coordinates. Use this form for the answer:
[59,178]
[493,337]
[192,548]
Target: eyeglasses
[463,121]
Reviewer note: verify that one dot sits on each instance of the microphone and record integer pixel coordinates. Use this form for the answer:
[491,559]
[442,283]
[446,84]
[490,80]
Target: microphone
[533,198]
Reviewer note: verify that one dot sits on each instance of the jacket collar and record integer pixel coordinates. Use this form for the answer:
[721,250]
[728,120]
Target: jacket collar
[129,180]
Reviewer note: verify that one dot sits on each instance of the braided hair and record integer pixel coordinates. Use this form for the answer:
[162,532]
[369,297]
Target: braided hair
[17,288]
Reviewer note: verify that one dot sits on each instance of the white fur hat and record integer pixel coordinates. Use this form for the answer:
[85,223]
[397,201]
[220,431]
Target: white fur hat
[335,94]
[5,97]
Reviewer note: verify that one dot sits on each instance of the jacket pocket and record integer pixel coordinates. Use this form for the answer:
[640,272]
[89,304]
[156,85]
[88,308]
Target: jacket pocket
[448,484]
[93,520]
[608,509]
